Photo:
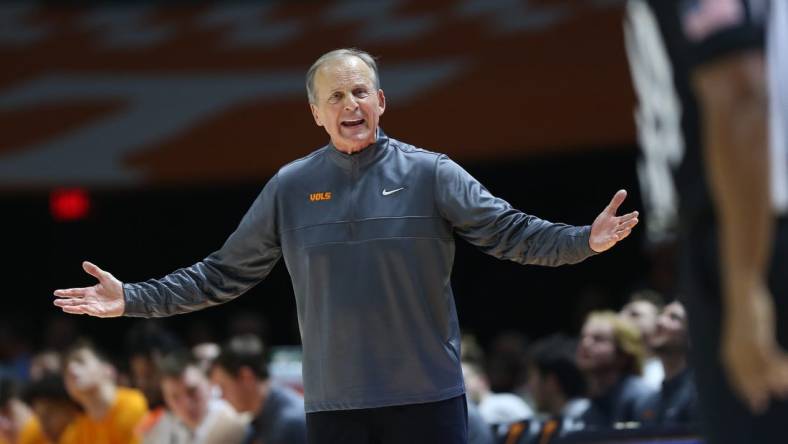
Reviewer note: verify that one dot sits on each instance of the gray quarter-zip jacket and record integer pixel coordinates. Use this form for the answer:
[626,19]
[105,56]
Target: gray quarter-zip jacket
[368,240]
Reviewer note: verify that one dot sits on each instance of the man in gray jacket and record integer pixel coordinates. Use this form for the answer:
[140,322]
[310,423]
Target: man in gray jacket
[366,226]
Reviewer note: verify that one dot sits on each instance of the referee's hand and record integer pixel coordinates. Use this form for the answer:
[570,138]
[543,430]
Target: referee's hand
[104,299]
[756,366]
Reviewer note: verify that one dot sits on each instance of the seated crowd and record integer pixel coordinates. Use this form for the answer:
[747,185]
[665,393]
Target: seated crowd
[176,399]
[626,370]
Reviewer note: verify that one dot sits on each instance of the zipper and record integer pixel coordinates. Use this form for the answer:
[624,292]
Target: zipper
[353,180]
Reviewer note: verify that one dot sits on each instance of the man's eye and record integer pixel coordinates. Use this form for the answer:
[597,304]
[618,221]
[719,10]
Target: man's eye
[361,93]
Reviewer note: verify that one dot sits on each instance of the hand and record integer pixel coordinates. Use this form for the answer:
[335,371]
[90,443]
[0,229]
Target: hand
[104,299]
[756,366]
[608,229]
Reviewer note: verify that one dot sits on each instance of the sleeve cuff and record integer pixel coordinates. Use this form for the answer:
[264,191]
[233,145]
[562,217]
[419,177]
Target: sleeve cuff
[132,305]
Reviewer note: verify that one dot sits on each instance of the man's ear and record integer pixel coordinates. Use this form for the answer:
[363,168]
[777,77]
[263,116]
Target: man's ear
[381,101]
[315,115]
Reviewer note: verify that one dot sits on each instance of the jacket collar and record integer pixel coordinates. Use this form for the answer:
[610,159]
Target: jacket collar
[362,158]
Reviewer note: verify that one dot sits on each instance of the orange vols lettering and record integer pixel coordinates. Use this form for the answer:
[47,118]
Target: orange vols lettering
[314,197]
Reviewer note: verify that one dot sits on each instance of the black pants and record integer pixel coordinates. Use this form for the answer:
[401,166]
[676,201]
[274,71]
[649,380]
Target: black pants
[724,418]
[442,422]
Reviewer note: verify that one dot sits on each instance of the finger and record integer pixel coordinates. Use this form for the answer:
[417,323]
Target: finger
[628,216]
[621,235]
[69,302]
[93,270]
[71,293]
[618,198]
[74,310]
[628,225]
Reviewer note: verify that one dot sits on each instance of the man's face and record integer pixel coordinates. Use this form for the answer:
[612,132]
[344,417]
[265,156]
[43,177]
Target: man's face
[671,332]
[232,388]
[597,347]
[187,396]
[644,315]
[84,372]
[347,104]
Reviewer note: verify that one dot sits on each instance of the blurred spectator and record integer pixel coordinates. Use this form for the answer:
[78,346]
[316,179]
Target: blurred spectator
[494,408]
[472,357]
[146,342]
[17,422]
[507,364]
[205,353]
[111,413]
[45,363]
[54,410]
[642,310]
[202,418]
[556,384]
[675,403]
[479,432]
[241,373]
[611,354]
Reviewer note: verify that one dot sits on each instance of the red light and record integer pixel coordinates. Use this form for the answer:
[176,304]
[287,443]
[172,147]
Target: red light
[69,204]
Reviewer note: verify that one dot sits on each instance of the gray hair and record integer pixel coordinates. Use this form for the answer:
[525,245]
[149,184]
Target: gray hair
[334,55]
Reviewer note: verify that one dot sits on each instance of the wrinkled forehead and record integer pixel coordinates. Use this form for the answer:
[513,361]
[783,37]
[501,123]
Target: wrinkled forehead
[344,72]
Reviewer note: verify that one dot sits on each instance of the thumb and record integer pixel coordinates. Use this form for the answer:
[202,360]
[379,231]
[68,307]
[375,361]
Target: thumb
[616,202]
[93,270]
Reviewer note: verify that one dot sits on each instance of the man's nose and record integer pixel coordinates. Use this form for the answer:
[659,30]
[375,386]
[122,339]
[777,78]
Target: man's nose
[350,102]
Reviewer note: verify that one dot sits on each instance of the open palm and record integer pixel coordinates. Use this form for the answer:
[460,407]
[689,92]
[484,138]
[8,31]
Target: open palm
[104,299]
[609,229]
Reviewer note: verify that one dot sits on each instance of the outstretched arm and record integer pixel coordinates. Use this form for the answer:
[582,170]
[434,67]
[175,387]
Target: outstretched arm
[497,229]
[246,257]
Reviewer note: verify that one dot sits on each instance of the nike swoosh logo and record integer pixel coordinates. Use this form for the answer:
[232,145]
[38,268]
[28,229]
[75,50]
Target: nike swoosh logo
[386,192]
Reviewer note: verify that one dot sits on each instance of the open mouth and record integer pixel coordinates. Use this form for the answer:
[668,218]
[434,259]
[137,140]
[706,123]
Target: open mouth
[352,123]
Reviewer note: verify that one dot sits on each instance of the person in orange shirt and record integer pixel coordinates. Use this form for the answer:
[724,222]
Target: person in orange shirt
[111,413]
[17,422]
[54,410]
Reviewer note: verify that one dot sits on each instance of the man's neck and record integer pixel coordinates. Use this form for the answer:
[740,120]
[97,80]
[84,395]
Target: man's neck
[100,401]
[357,149]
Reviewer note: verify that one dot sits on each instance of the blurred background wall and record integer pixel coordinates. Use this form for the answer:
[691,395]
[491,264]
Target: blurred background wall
[162,121]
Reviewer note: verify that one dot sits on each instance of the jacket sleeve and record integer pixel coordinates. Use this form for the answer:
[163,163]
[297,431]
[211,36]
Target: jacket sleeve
[245,259]
[499,230]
